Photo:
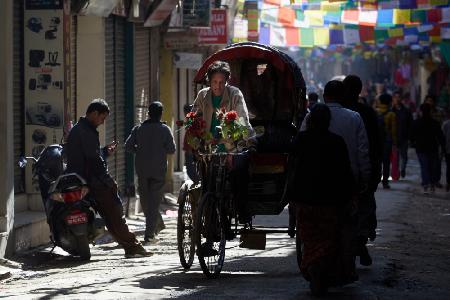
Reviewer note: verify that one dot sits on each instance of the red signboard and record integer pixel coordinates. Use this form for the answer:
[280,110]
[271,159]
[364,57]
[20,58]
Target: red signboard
[217,34]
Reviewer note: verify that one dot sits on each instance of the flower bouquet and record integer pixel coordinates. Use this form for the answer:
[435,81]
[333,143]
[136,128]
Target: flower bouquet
[196,137]
[234,131]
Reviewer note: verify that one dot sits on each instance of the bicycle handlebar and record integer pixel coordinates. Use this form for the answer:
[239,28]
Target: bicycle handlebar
[219,154]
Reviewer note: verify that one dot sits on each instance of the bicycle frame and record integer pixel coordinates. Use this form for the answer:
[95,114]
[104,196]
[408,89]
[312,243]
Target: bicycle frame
[215,171]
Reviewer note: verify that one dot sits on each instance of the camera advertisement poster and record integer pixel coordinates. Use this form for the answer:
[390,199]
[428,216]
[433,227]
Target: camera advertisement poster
[44,78]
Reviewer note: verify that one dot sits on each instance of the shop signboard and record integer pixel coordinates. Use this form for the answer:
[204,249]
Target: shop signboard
[46,76]
[217,34]
[196,13]
[185,60]
[240,30]
[180,40]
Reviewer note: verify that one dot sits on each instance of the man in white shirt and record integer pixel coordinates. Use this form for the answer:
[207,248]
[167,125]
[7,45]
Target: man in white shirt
[349,125]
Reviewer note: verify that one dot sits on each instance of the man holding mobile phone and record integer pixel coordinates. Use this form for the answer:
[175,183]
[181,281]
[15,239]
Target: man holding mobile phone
[86,158]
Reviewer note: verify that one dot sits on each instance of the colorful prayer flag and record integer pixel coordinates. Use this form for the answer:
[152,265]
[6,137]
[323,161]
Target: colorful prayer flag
[321,36]
[402,16]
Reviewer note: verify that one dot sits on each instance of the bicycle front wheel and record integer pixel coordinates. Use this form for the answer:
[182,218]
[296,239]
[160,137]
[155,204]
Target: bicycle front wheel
[210,236]
[185,228]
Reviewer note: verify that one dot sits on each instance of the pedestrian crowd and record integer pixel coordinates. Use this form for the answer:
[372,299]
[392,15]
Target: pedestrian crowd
[344,149]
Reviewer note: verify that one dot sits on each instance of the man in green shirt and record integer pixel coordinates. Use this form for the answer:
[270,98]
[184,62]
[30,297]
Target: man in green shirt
[217,96]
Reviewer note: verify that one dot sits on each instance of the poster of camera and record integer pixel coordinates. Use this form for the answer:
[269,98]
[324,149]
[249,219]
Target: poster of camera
[44,77]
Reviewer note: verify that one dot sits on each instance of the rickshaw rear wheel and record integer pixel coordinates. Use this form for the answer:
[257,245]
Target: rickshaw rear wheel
[210,236]
[299,248]
[185,228]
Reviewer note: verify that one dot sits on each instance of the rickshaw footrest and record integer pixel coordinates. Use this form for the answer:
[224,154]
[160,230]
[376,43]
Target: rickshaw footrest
[253,240]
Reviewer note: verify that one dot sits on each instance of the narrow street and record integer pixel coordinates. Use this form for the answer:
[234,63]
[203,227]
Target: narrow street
[411,261]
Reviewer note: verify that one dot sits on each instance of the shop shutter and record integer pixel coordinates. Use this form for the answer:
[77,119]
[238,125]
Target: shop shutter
[19,111]
[73,70]
[142,72]
[115,94]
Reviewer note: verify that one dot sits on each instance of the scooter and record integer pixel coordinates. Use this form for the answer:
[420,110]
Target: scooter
[70,210]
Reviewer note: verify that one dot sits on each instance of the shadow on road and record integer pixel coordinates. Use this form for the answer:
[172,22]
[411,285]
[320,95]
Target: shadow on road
[44,260]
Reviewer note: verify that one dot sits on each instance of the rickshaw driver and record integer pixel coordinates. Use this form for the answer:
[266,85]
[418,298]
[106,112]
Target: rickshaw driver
[218,95]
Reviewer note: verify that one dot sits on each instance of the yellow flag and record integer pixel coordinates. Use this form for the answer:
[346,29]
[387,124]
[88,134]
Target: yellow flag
[321,36]
[315,17]
[402,16]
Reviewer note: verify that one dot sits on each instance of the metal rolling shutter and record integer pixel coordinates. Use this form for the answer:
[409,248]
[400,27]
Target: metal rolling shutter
[115,94]
[73,69]
[18,96]
[142,72]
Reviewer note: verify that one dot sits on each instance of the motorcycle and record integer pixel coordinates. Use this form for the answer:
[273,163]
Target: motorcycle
[70,210]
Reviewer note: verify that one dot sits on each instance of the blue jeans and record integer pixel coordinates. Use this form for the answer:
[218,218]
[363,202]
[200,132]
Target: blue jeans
[428,167]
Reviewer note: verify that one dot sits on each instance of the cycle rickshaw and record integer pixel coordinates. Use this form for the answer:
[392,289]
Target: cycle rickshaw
[274,91]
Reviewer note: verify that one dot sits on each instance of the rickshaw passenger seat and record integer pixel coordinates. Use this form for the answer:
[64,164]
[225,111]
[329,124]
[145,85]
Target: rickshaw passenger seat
[277,138]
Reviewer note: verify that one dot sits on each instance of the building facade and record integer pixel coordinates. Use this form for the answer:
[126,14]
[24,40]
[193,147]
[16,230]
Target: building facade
[113,57]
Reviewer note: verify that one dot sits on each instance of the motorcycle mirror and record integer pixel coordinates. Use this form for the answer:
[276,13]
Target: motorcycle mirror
[22,162]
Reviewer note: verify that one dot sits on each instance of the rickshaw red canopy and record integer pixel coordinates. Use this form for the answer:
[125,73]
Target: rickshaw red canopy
[266,54]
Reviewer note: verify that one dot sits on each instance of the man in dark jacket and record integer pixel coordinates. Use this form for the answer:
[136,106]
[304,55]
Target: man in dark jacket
[404,127]
[367,219]
[151,142]
[86,158]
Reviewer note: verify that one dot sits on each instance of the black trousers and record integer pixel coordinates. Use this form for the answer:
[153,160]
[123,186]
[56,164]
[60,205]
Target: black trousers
[447,159]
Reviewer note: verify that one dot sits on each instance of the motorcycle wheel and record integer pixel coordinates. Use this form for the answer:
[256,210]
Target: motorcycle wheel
[209,223]
[185,228]
[82,249]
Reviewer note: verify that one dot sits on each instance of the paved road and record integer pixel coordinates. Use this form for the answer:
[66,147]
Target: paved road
[247,274]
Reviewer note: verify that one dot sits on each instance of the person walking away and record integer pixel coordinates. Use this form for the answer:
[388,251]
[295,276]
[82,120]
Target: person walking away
[410,104]
[367,218]
[427,138]
[313,99]
[437,114]
[404,126]
[151,141]
[87,159]
[348,125]
[446,131]
[387,124]
[323,191]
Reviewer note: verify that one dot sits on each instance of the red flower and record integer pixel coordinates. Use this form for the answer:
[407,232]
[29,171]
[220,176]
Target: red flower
[231,116]
[180,123]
